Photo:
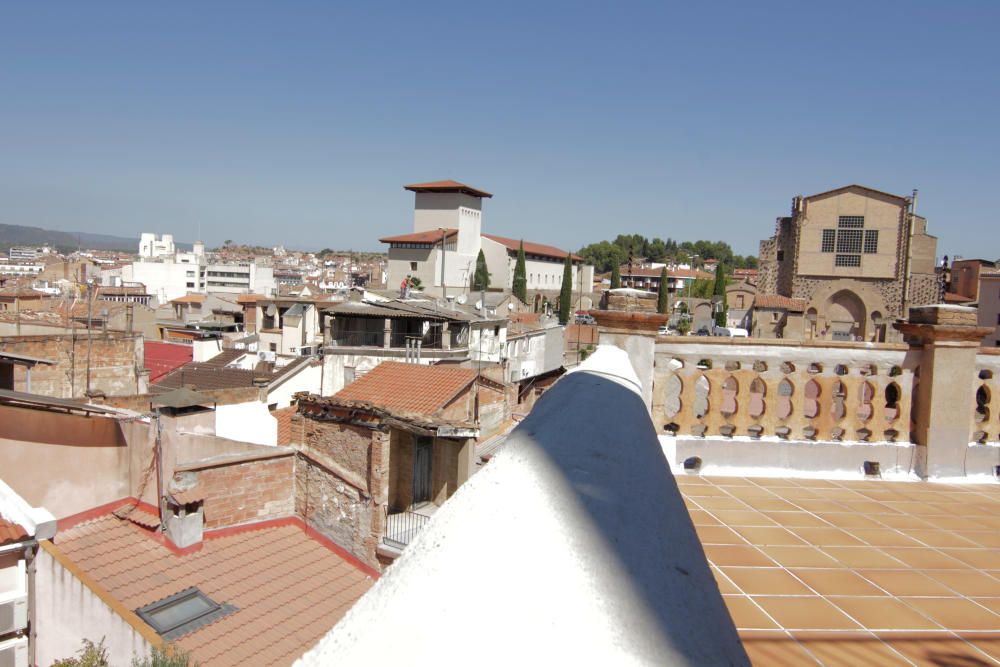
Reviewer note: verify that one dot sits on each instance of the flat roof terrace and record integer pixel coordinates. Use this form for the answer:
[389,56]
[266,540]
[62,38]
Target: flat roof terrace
[859,572]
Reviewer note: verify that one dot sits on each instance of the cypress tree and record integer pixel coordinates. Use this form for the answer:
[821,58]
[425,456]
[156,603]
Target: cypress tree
[616,277]
[520,287]
[720,292]
[481,279]
[566,293]
[661,299]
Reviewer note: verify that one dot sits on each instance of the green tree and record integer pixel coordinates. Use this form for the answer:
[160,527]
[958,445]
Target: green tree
[520,276]
[661,298]
[616,277]
[481,280]
[566,293]
[719,294]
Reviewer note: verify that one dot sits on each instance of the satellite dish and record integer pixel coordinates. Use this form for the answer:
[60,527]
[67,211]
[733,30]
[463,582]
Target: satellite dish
[510,306]
[462,299]
[479,305]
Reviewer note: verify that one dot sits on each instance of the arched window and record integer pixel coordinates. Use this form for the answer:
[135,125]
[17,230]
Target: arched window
[839,397]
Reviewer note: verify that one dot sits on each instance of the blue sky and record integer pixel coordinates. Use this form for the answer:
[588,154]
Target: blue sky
[299,122]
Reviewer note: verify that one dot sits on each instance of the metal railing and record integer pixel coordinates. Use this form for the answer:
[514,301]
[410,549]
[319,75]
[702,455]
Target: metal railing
[402,526]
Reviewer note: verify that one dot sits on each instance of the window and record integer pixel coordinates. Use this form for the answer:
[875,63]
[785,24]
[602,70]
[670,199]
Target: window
[274,347]
[413,266]
[829,237]
[182,613]
[190,284]
[998,318]
[781,255]
[871,241]
[848,260]
[849,240]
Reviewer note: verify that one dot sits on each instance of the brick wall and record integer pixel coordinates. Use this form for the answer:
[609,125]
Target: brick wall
[284,417]
[247,491]
[115,363]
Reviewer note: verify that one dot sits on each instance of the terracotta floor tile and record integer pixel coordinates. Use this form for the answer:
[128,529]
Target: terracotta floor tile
[734,518]
[990,646]
[770,536]
[926,559]
[956,613]
[940,538]
[747,615]
[726,587]
[933,650]
[703,518]
[992,604]
[902,521]
[766,581]
[967,582]
[720,503]
[849,521]
[850,650]
[905,582]
[980,559]
[718,535]
[984,538]
[837,582]
[771,504]
[884,614]
[746,492]
[800,557]
[822,537]
[819,506]
[805,613]
[783,651]
[884,537]
[863,557]
[803,519]
[724,554]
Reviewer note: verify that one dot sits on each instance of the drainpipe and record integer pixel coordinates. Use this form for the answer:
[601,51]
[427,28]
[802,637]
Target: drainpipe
[30,550]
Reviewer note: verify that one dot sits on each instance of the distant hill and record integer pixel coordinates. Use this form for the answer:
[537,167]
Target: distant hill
[11,235]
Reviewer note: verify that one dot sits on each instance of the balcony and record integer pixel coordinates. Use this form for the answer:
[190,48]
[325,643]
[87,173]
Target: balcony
[402,527]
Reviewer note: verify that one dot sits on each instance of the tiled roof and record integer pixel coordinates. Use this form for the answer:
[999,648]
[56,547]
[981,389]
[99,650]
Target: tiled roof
[207,375]
[412,388]
[854,572]
[854,186]
[446,186]
[778,301]
[432,236]
[11,532]
[189,298]
[161,358]
[288,588]
[531,248]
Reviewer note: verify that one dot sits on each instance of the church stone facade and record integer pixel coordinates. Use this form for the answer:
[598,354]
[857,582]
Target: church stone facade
[859,258]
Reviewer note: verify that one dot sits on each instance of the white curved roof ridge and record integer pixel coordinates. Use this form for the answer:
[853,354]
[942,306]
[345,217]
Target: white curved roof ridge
[572,545]
[612,362]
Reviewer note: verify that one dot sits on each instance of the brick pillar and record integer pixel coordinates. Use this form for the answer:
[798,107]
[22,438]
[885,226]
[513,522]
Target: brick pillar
[945,395]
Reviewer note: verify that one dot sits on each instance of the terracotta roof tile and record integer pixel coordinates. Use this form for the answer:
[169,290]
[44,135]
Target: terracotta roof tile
[11,532]
[778,301]
[190,298]
[419,237]
[275,575]
[531,248]
[415,388]
[446,186]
